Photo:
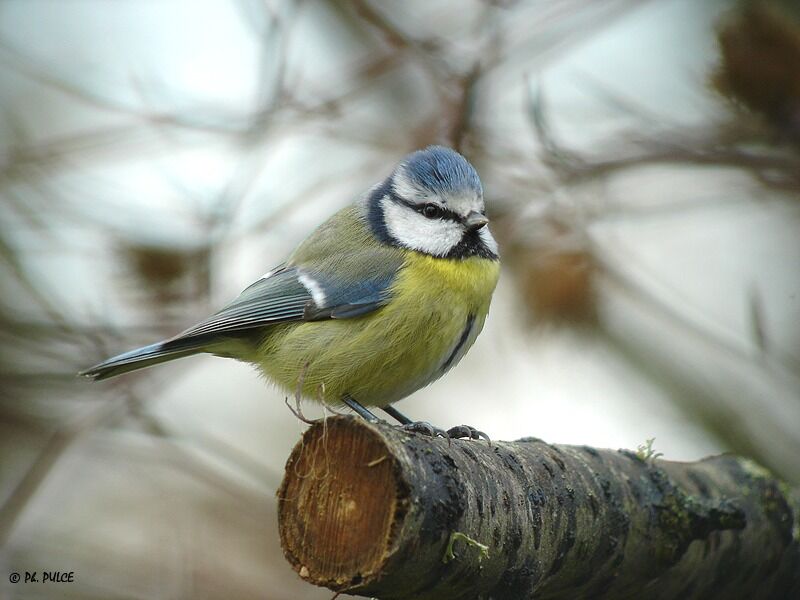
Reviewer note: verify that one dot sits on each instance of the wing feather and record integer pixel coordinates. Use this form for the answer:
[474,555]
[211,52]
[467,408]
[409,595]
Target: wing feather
[282,297]
[275,299]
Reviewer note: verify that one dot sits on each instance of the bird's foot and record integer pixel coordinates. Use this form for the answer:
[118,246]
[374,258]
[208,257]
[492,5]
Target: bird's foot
[424,428]
[454,433]
[466,432]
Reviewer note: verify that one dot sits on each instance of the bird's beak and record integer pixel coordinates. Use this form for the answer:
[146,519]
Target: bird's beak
[475,220]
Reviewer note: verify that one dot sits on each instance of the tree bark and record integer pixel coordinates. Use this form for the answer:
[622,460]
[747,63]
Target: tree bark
[375,511]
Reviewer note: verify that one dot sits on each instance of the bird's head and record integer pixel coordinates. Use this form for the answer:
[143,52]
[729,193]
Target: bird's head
[433,203]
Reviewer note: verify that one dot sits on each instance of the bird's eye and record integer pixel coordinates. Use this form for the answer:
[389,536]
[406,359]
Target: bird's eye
[432,211]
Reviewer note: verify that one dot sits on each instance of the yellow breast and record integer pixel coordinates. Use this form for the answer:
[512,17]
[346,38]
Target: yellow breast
[471,280]
[388,354]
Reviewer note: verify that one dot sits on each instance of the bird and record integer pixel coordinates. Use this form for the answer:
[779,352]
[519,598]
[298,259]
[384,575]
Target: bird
[380,300]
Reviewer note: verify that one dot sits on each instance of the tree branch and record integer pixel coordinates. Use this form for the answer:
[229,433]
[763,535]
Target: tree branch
[375,511]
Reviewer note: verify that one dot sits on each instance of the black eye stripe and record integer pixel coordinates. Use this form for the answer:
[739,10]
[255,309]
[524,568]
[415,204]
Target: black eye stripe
[445,213]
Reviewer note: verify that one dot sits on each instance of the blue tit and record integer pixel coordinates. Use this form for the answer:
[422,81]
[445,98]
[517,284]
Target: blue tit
[380,300]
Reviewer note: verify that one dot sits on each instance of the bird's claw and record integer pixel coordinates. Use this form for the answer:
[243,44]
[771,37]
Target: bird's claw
[425,428]
[467,432]
[454,433]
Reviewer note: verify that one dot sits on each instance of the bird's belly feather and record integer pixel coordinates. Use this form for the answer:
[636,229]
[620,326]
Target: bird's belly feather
[386,355]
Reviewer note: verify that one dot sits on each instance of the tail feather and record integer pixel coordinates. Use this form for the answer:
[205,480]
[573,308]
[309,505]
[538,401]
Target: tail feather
[145,357]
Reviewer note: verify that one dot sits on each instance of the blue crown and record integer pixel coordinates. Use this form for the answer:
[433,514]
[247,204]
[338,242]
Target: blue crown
[442,171]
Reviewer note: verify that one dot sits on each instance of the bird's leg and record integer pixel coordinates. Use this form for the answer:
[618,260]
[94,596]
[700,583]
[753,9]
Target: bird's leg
[405,422]
[459,431]
[396,415]
[359,409]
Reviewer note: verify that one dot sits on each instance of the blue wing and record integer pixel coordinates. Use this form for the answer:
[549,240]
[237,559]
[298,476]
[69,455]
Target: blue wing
[276,298]
[294,293]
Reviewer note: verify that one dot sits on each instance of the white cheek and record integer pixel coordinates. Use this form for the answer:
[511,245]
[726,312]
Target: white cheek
[411,229]
[488,240]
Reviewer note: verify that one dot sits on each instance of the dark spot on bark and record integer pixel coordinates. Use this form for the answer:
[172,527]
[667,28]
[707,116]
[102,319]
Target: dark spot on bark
[582,553]
[632,455]
[593,505]
[517,582]
[535,495]
[707,546]
[686,592]
[535,500]
[726,514]
[565,545]
[435,582]
[751,572]
[558,460]
[602,586]
[659,478]
[699,482]
[605,485]
[547,468]
[607,549]
[636,490]
[466,449]
[590,451]
[449,460]
[583,576]
[513,543]
[443,504]
[715,537]
[778,512]
[510,460]
[619,558]
[728,561]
